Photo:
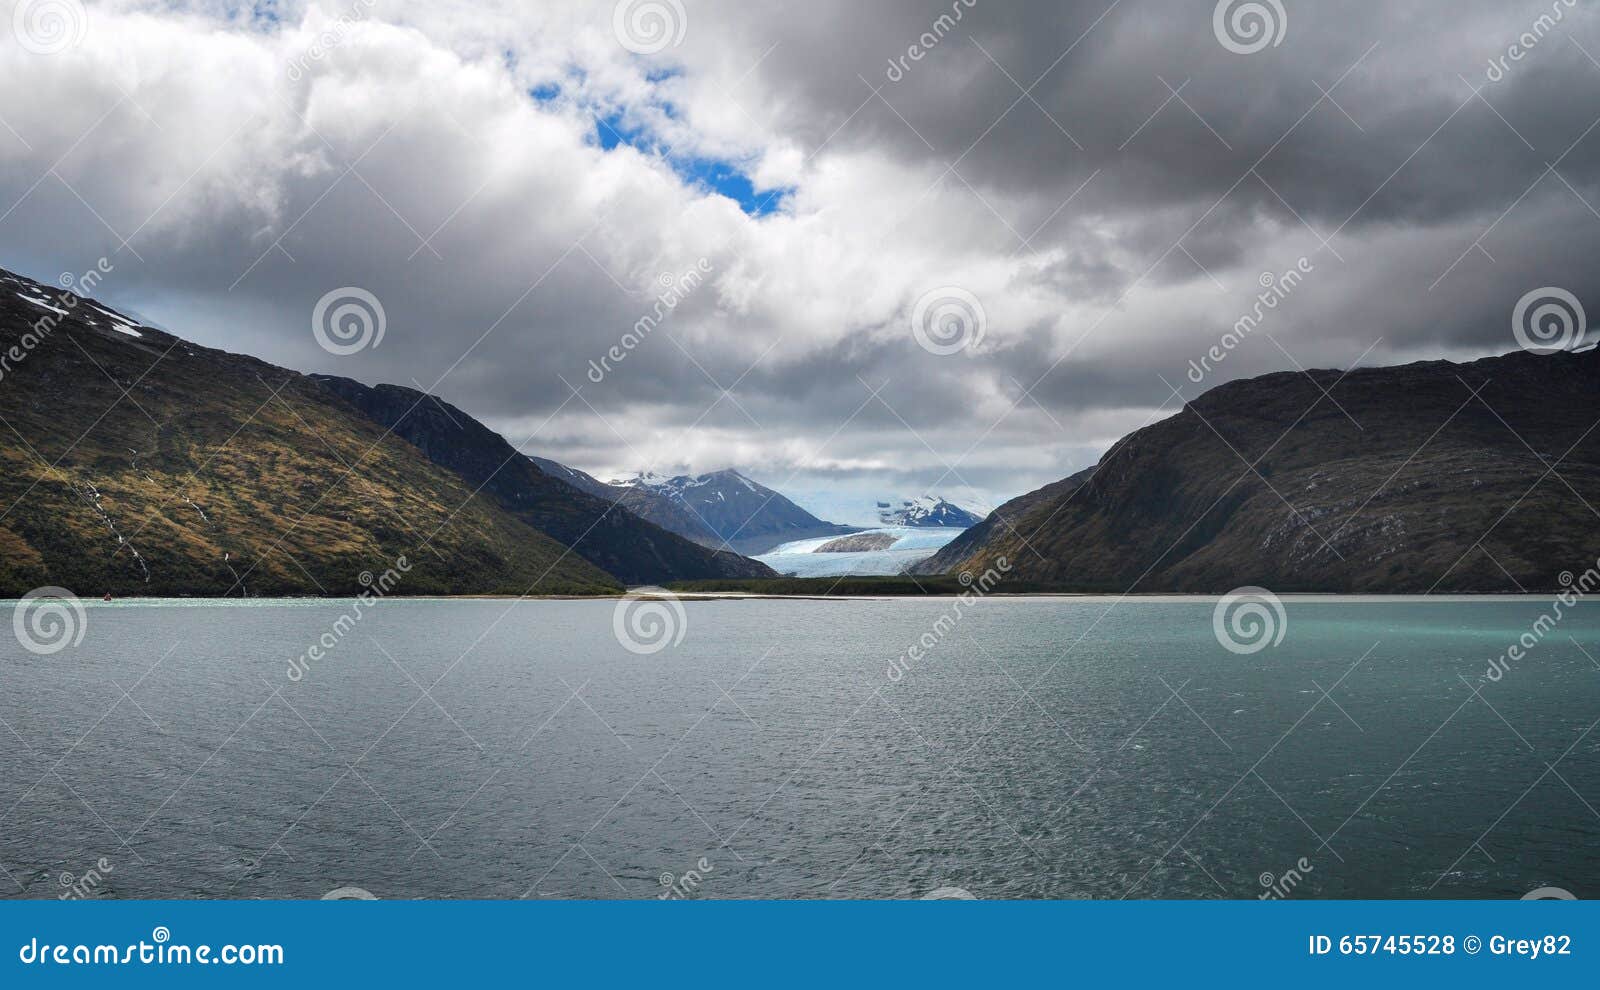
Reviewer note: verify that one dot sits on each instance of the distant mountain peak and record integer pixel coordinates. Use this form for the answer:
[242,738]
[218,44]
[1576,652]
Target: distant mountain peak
[650,479]
[729,505]
[642,480]
[928,511]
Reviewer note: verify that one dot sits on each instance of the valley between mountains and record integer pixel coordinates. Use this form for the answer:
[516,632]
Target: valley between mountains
[133,462]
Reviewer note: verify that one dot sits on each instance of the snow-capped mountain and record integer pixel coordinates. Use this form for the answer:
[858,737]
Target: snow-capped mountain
[743,512]
[928,511]
[646,503]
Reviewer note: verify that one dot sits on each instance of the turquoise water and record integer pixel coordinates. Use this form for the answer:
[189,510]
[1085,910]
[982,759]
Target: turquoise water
[1037,749]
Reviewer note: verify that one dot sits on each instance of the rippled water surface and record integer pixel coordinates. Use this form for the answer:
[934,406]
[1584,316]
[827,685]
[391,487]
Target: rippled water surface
[1056,748]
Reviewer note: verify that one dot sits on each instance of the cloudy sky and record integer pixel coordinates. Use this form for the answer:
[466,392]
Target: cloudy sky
[911,245]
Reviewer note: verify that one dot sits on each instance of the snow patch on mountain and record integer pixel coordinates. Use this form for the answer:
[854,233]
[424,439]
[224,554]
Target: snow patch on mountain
[929,511]
[747,514]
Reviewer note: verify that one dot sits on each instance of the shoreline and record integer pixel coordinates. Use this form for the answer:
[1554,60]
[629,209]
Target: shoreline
[1314,597]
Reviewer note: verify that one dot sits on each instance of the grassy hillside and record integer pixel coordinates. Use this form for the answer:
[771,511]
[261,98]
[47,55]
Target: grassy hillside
[145,465]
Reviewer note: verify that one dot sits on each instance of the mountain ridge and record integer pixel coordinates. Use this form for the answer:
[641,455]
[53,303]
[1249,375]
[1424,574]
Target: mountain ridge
[741,512]
[1371,481]
[929,511]
[644,503]
[598,529]
[134,462]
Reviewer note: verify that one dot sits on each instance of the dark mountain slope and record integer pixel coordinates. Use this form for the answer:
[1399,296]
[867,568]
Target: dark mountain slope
[1436,489]
[1000,523]
[599,530]
[136,463]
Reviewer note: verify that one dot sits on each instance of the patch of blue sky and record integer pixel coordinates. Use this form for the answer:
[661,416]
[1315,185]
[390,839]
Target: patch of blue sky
[721,176]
